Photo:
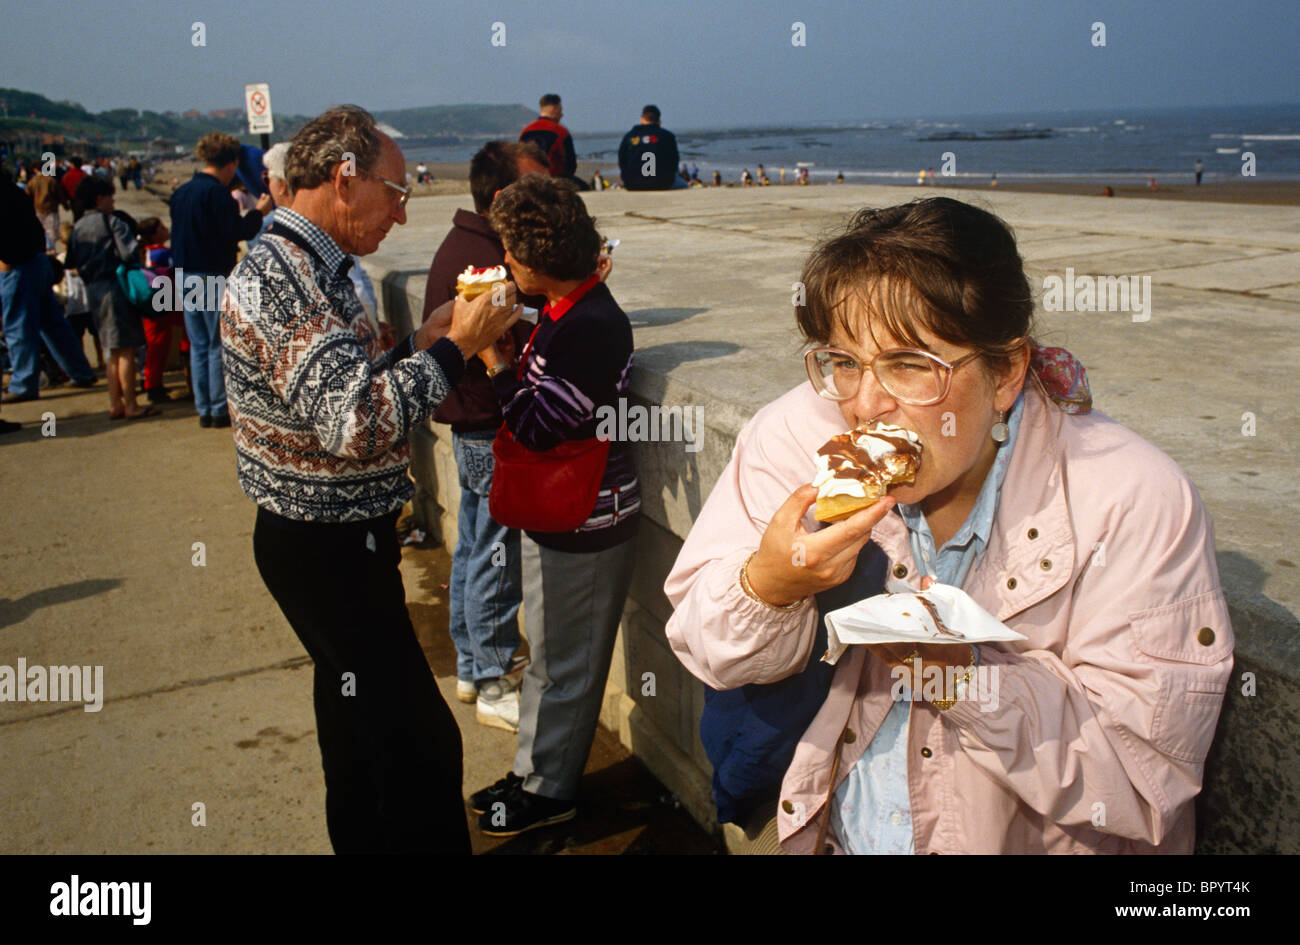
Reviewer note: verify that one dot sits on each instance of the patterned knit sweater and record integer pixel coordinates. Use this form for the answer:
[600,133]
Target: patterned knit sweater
[320,412]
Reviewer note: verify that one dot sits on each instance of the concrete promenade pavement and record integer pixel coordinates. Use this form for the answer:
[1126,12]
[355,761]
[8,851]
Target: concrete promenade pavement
[207,693]
[206,690]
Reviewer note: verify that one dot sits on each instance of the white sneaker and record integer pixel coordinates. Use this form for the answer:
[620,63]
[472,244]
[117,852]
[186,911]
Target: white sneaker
[466,690]
[498,703]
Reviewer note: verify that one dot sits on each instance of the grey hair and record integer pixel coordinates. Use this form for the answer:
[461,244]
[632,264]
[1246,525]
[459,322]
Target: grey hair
[323,142]
[274,159]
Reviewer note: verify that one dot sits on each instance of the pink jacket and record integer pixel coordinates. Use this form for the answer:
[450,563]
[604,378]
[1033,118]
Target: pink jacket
[1101,554]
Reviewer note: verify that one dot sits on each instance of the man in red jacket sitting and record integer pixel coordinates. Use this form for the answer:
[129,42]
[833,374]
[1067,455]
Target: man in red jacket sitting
[554,140]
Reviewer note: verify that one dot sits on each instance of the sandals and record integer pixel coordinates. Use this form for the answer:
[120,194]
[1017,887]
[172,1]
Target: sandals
[147,412]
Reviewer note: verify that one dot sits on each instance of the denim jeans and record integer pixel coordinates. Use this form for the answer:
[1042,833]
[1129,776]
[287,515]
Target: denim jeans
[204,330]
[486,587]
[31,315]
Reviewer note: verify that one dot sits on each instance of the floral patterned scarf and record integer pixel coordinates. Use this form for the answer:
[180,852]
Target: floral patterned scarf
[1063,378]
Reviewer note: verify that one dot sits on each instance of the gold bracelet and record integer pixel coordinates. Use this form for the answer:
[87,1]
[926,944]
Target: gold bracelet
[749,590]
[943,705]
[499,367]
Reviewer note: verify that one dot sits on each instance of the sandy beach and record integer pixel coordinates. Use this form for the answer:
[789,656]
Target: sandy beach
[452,177]
[1254,191]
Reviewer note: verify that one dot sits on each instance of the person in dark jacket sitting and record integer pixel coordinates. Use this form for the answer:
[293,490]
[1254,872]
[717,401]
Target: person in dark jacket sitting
[647,155]
[574,367]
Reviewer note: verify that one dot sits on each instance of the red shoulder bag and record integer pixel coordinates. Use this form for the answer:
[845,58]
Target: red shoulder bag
[549,491]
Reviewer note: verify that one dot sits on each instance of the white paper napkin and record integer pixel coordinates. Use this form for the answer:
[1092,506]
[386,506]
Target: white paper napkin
[902,618]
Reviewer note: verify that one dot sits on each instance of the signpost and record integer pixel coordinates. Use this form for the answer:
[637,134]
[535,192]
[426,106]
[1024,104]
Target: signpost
[257,102]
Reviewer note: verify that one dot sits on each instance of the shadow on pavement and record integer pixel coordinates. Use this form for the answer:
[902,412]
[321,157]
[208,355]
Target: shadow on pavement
[665,357]
[80,425]
[19,609]
[622,809]
[645,317]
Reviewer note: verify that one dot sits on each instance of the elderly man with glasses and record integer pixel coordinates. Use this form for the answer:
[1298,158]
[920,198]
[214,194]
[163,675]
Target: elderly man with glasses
[321,414]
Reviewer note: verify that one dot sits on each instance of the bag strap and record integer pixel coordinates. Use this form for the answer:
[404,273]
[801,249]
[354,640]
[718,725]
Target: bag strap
[122,258]
[528,348]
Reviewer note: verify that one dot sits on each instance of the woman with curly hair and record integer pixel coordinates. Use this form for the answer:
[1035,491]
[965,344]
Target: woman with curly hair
[576,580]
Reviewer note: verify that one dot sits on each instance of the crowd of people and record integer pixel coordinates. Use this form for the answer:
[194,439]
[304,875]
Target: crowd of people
[100,273]
[1019,484]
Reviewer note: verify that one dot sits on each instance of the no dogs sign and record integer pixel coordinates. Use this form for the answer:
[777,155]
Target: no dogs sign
[257,102]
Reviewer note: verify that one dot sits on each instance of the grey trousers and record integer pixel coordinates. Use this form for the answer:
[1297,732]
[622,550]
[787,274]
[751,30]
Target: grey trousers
[572,607]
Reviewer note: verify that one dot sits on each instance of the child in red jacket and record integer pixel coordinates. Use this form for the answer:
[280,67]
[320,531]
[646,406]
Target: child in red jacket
[158,328]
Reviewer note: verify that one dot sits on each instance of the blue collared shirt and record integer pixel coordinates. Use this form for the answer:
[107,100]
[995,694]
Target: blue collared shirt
[872,810]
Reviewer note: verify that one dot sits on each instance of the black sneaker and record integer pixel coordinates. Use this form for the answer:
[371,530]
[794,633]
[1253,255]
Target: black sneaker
[521,811]
[157,395]
[9,427]
[480,801]
[205,420]
[221,420]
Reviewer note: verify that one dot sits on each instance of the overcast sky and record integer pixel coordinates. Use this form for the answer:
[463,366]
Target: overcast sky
[705,63]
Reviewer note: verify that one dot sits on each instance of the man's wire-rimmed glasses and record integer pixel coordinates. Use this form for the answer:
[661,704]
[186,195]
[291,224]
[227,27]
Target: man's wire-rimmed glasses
[404,191]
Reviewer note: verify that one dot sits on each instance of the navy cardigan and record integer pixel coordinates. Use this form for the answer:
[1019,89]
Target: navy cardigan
[750,733]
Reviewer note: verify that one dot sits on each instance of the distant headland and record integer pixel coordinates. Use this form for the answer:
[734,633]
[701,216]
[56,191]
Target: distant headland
[30,122]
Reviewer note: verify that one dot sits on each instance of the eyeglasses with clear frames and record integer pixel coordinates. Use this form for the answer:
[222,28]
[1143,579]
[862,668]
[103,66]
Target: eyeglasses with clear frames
[910,375]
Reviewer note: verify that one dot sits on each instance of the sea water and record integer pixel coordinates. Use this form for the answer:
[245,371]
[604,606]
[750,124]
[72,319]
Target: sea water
[1117,146]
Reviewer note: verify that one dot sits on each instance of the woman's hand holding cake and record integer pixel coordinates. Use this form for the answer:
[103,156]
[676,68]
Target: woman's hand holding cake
[793,563]
[853,471]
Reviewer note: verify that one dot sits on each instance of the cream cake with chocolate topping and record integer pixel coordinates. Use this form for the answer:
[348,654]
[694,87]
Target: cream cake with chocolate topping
[855,469]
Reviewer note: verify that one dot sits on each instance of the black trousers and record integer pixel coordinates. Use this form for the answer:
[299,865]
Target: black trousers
[389,744]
